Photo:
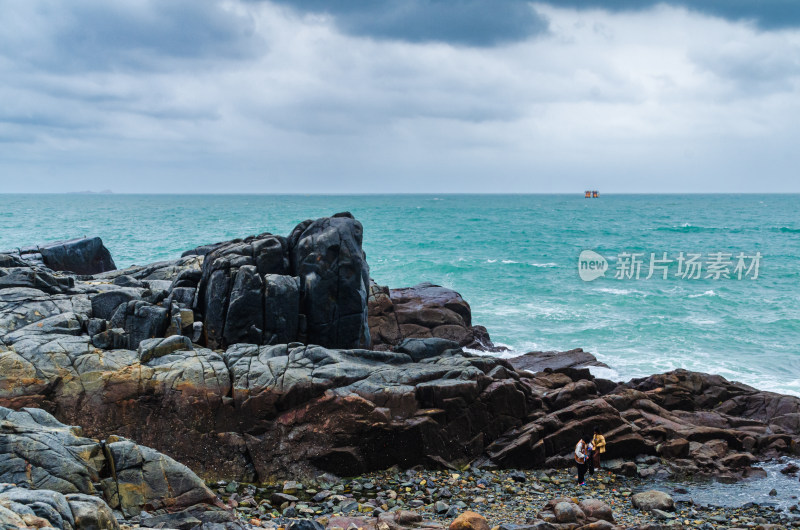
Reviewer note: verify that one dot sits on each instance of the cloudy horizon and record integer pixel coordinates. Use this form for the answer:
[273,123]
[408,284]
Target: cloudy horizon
[418,96]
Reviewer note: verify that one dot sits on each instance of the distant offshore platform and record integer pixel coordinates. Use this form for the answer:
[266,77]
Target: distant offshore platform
[591,194]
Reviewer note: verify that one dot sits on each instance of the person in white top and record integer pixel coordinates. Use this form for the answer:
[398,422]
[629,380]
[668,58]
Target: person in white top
[581,459]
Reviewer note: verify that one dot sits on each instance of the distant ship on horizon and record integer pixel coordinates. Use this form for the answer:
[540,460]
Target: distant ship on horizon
[591,194]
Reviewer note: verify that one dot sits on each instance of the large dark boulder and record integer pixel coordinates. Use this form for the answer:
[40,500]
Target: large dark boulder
[82,256]
[334,278]
[232,291]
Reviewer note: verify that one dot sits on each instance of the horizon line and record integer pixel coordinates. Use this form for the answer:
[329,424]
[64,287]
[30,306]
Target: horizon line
[404,193]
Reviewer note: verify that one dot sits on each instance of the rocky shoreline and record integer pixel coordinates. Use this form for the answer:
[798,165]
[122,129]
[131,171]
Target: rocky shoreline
[276,358]
[511,499]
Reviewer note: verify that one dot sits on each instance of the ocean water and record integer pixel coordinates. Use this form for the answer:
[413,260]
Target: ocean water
[515,259]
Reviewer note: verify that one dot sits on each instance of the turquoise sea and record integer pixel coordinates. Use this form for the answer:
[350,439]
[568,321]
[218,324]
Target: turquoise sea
[515,259]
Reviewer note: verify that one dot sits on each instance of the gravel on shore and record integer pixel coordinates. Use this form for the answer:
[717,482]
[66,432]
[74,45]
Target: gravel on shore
[502,496]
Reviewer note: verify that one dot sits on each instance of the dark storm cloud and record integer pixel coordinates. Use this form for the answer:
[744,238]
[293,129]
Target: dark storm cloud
[767,14]
[90,35]
[461,22]
[487,23]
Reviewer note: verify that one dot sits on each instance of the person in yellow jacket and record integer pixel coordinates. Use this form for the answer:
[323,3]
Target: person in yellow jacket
[599,444]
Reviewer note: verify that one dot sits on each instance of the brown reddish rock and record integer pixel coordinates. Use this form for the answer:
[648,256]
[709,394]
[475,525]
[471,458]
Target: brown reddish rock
[667,414]
[469,521]
[596,509]
[423,311]
[539,361]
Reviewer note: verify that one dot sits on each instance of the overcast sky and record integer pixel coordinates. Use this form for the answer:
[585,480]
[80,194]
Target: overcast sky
[346,96]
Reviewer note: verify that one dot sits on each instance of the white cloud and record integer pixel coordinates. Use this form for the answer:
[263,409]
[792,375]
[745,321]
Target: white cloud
[656,100]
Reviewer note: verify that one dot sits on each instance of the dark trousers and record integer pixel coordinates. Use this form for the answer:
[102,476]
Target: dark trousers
[596,460]
[581,471]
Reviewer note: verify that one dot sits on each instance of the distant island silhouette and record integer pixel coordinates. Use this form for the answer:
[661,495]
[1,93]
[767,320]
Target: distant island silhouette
[89,192]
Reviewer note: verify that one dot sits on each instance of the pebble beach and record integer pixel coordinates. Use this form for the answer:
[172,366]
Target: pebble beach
[504,497]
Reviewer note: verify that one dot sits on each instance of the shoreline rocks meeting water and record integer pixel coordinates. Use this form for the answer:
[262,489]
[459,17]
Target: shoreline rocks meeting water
[271,357]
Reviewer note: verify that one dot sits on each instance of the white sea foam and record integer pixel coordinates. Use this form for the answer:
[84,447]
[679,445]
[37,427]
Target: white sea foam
[604,373]
[507,354]
[612,290]
[710,292]
[507,261]
[545,310]
[544,265]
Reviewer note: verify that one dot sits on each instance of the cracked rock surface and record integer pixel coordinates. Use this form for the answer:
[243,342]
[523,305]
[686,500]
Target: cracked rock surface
[75,482]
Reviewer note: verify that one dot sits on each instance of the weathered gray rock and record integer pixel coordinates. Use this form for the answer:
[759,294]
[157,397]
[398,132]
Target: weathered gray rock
[105,303]
[234,415]
[568,512]
[54,460]
[49,505]
[9,261]
[146,479]
[91,513]
[35,279]
[39,451]
[154,348]
[653,500]
[419,349]
[26,508]
[140,320]
[12,518]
